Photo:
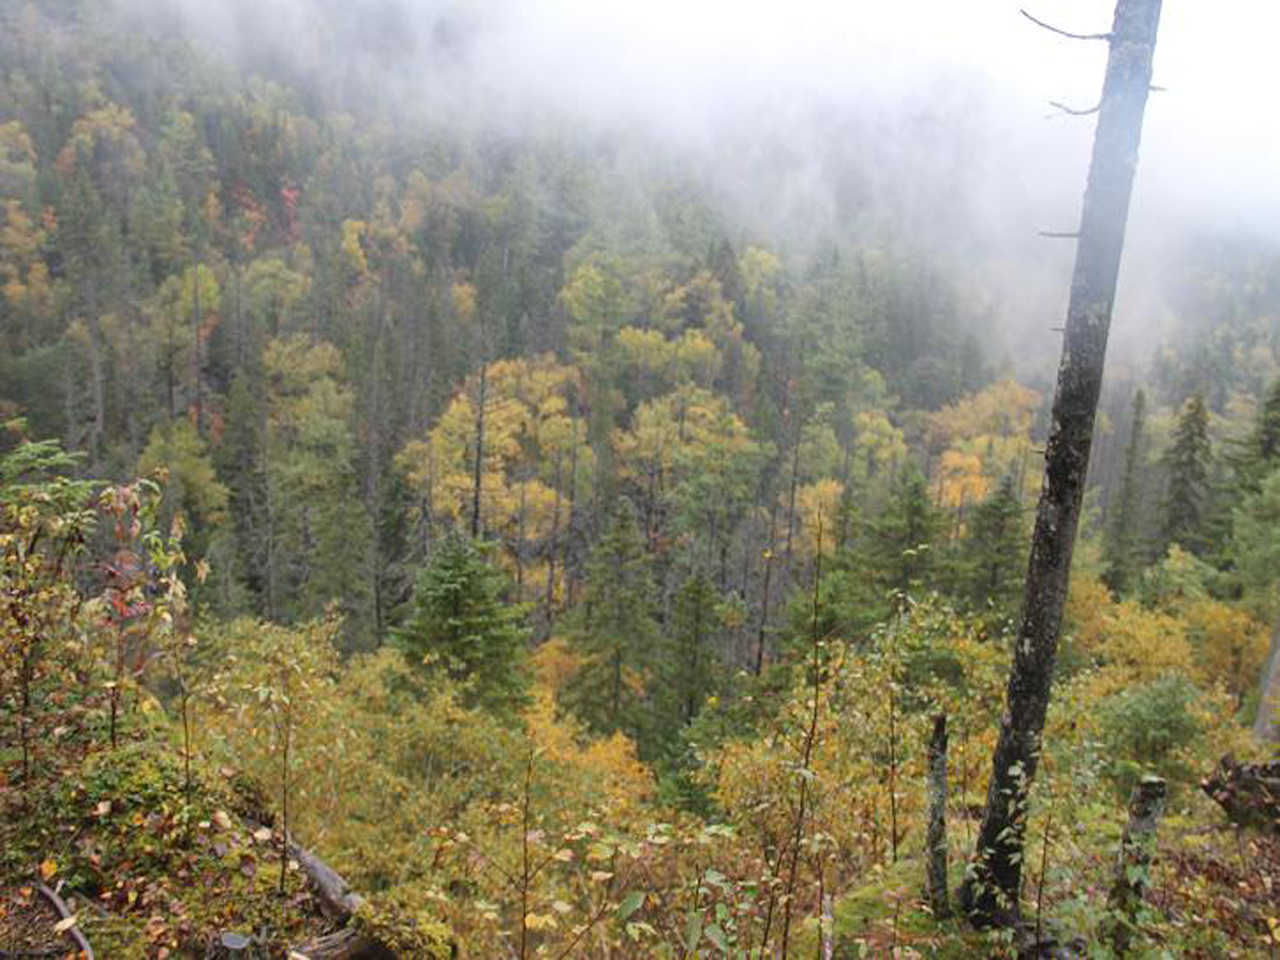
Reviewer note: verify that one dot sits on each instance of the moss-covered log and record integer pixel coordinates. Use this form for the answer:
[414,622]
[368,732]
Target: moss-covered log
[373,931]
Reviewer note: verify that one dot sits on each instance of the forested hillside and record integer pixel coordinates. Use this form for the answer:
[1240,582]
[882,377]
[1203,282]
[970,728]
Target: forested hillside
[565,556]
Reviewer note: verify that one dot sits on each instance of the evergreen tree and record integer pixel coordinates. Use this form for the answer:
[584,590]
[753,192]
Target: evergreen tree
[1188,463]
[319,535]
[461,622]
[993,558]
[691,660]
[903,538]
[1263,451]
[1256,547]
[1120,553]
[851,601]
[240,462]
[616,632]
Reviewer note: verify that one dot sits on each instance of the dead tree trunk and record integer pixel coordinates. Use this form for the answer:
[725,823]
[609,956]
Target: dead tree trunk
[478,470]
[989,894]
[936,842]
[1137,850]
[1265,726]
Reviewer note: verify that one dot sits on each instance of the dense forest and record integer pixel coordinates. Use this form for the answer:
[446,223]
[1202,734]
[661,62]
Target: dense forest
[575,564]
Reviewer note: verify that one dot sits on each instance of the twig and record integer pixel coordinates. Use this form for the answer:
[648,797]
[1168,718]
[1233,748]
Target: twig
[1060,235]
[1065,33]
[1075,111]
[65,912]
[1044,872]
[524,858]
[592,921]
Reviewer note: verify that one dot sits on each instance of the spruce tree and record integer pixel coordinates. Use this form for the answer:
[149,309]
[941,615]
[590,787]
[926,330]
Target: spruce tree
[1263,452]
[993,557]
[239,459]
[1120,553]
[903,538]
[1188,462]
[689,668]
[1255,547]
[461,622]
[615,632]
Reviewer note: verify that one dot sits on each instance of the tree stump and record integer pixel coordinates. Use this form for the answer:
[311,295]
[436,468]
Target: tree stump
[1137,850]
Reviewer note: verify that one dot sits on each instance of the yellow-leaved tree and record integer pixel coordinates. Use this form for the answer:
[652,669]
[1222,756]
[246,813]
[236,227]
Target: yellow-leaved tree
[508,457]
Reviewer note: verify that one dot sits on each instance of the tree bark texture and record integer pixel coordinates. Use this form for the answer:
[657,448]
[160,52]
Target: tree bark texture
[346,944]
[339,902]
[1266,726]
[1137,850]
[989,894]
[936,840]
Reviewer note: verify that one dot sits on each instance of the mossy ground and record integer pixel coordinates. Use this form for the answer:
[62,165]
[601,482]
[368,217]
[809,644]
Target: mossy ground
[150,869]
[1214,894]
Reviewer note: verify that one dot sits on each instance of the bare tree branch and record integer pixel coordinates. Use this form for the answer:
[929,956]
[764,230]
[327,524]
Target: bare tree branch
[1065,33]
[1075,111]
[65,913]
[1056,235]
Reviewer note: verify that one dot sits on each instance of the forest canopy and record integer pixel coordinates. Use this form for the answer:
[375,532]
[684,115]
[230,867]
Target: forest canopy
[572,557]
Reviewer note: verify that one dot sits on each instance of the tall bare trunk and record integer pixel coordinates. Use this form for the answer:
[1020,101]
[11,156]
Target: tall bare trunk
[197,321]
[936,837]
[479,462]
[990,892]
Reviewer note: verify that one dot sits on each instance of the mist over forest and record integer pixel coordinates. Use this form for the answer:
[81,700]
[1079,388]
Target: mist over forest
[622,480]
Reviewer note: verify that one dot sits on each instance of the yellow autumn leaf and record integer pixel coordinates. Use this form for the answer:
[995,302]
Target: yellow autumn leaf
[48,868]
[62,926]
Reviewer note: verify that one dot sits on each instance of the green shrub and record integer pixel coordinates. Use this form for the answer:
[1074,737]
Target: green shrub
[1145,730]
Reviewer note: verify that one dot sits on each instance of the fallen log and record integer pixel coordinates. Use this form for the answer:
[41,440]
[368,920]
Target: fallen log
[369,933]
[346,944]
[339,903]
[1249,793]
[336,897]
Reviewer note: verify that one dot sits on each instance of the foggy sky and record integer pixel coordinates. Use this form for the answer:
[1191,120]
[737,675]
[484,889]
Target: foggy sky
[938,105]
[681,66]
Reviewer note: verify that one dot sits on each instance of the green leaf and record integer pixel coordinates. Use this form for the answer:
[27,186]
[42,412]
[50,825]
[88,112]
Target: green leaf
[632,902]
[693,931]
[717,938]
